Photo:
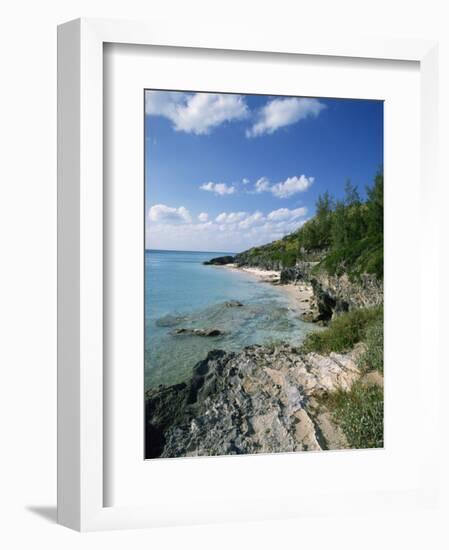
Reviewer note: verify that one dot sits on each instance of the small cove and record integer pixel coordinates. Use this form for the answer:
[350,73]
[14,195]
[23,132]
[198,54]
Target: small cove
[182,293]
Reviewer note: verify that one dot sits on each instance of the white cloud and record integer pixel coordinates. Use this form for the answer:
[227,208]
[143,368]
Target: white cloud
[252,220]
[203,217]
[218,188]
[160,213]
[262,184]
[196,113]
[281,112]
[291,186]
[284,189]
[245,181]
[164,103]
[232,217]
[286,214]
[228,232]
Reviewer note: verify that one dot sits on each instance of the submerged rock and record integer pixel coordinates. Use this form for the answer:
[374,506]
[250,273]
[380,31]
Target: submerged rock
[258,400]
[170,320]
[233,303]
[198,331]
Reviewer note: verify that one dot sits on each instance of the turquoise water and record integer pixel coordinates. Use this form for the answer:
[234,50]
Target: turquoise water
[181,292]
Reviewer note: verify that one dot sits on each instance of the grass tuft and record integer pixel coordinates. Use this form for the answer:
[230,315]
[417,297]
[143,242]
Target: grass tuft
[360,413]
[373,358]
[344,331]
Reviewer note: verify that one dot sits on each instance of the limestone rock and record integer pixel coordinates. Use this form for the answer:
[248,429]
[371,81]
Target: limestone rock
[257,400]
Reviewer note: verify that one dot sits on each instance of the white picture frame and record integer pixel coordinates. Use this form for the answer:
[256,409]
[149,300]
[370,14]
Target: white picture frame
[81,388]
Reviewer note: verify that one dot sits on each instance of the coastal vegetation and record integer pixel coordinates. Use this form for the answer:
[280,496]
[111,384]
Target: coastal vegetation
[344,236]
[373,357]
[346,330]
[359,412]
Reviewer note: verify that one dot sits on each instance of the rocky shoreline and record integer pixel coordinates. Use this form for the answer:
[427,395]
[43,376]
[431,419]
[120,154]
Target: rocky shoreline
[260,400]
[263,399]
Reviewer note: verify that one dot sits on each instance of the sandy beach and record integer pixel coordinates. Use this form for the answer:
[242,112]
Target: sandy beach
[264,275]
[300,294]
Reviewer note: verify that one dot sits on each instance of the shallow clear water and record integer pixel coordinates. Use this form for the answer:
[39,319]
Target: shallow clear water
[181,292]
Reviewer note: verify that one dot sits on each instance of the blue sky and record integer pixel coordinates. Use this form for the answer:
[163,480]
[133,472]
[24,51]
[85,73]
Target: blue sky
[225,172]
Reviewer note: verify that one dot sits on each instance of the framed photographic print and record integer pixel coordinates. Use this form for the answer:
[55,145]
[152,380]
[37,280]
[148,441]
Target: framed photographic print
[234,322]
[263,293]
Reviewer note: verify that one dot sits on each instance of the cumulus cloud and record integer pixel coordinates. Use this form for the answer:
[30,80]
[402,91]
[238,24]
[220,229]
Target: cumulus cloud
[203,217]
[245,181]
[284,189]
[291,186]
[286,214]
[281,112]
[196,113]
[262,184]
[218,188]
[164,103]
[231,217]
[161,213]
[229,231]
[252,220]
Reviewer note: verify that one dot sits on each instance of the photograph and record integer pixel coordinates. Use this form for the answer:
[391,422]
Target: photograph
[220,330]
[263,273]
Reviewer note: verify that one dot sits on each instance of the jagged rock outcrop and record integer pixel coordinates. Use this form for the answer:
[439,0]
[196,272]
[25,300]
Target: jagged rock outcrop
[366,291]
[291,275]
[258,400]
[333,294]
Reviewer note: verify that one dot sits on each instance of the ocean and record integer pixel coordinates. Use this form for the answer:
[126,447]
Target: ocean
[182,293]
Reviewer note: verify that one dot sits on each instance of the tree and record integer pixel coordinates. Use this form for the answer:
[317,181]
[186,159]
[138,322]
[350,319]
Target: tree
[323,207]
[375,206]
[339,230]
[352,196]
[355,222]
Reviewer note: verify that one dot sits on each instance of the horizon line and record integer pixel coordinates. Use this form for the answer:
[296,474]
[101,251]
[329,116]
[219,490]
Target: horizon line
[178,250]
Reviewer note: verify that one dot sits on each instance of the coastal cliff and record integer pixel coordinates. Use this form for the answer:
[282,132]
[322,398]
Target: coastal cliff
[334,294]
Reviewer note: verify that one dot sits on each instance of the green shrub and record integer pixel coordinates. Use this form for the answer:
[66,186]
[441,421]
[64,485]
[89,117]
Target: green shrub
[356,258]
[344,331]
[360,414]
[373,358]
